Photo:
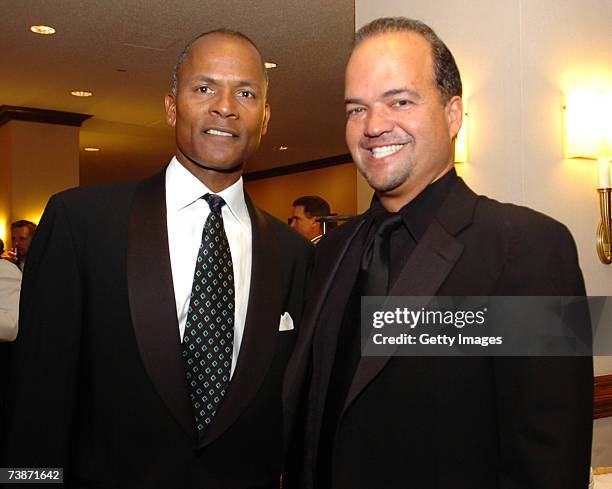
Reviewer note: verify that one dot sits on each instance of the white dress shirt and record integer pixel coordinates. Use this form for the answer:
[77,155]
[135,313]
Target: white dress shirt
[186,214]
[10,286]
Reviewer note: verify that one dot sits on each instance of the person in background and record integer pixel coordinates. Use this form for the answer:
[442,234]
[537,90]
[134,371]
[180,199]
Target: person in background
[306,210]
[10,286]
[22,233]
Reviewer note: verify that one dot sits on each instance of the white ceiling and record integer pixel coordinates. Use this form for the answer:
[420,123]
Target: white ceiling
[124,50]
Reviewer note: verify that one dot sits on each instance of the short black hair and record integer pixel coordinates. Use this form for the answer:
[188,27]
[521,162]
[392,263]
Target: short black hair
[1,246]
[24,224]
[185,52]
[314,206]
[446,73]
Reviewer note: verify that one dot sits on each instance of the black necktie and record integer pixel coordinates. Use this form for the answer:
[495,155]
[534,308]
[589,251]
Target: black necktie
[208,341]
[375,259]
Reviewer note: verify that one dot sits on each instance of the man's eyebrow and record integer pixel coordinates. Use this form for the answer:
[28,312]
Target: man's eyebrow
[389,93]
[248,83]
[213,80]
[356,101]
[205,79]
[401,91]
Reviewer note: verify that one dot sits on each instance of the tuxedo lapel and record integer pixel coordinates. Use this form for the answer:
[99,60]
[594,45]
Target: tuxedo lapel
[329,263]
[298,367]
[151,295]
[261,325]
[429,265]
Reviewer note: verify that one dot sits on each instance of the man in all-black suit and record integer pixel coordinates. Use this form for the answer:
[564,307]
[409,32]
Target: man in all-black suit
[108,313]
[425,422]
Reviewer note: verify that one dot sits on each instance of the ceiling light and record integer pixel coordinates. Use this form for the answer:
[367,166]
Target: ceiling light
[270,65]
[281,148]
[45,30]
[91,149]
[81,93]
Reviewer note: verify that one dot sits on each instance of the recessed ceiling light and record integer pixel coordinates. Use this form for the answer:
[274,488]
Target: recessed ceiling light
[81,93]
[281,148]
[91,149]
[270,65]
[45,30]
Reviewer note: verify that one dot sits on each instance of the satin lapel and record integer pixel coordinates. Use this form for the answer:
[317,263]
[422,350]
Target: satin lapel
[261,325]
[152,303]
[426,269]
[298,365]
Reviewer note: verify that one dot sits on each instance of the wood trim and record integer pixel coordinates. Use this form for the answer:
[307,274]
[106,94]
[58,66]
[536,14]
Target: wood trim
[13,113]
[298,167]
[603,396]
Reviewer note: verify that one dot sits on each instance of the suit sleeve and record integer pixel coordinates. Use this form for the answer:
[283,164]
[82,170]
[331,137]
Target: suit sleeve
[545,404]
[45,367]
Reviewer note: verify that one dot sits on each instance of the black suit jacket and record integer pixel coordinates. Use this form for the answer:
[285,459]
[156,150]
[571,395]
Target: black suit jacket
[98,379]
[466,423]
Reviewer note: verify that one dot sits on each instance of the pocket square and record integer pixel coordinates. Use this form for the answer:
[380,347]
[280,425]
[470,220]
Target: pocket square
[286,322]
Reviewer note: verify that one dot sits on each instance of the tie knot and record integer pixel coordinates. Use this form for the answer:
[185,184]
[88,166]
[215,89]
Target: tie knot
[388,224]
[215,202]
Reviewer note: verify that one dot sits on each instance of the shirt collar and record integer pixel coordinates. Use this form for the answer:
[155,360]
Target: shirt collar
[183,189]
[420,211]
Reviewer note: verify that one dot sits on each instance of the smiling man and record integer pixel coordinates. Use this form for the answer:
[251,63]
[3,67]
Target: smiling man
[158,316]
[398,421]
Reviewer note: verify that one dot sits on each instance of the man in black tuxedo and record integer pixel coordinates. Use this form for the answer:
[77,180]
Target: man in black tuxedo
[429,422]
[130,369]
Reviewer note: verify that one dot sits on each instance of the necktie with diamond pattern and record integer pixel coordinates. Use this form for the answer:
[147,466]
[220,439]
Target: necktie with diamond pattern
[208,341]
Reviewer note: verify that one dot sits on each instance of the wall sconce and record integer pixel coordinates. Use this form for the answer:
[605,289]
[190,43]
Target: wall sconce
[461,142]
[588,134]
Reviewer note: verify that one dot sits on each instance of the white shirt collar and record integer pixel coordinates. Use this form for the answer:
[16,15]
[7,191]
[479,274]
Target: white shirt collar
[183,189]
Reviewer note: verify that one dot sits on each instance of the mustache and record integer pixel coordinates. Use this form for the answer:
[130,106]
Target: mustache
[201,164]
[385,140]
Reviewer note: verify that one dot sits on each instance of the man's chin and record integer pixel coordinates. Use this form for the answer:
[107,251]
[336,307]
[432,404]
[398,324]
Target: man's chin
[384,183]
[214,163]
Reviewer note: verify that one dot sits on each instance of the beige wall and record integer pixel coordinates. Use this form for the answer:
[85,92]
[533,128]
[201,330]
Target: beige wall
[364,193]
[336,184]
[516,58]
[5,182]
[37,160]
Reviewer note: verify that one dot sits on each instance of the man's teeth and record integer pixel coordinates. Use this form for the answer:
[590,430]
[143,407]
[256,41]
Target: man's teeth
[383,151]
[214,132]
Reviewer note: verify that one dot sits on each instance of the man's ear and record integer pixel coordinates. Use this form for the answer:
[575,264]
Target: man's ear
[316,225]
[170,104]
[455,115]
[264,127]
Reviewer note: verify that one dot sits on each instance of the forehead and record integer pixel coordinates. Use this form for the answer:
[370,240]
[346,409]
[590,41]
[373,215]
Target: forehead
[298,210]
[390,59]
[225,54]
[21,231]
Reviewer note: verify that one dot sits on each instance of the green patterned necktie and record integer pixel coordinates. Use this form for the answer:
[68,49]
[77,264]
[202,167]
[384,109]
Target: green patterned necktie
[208,341]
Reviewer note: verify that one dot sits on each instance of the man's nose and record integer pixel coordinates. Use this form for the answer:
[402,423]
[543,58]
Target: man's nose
[224,105]
[377,122]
